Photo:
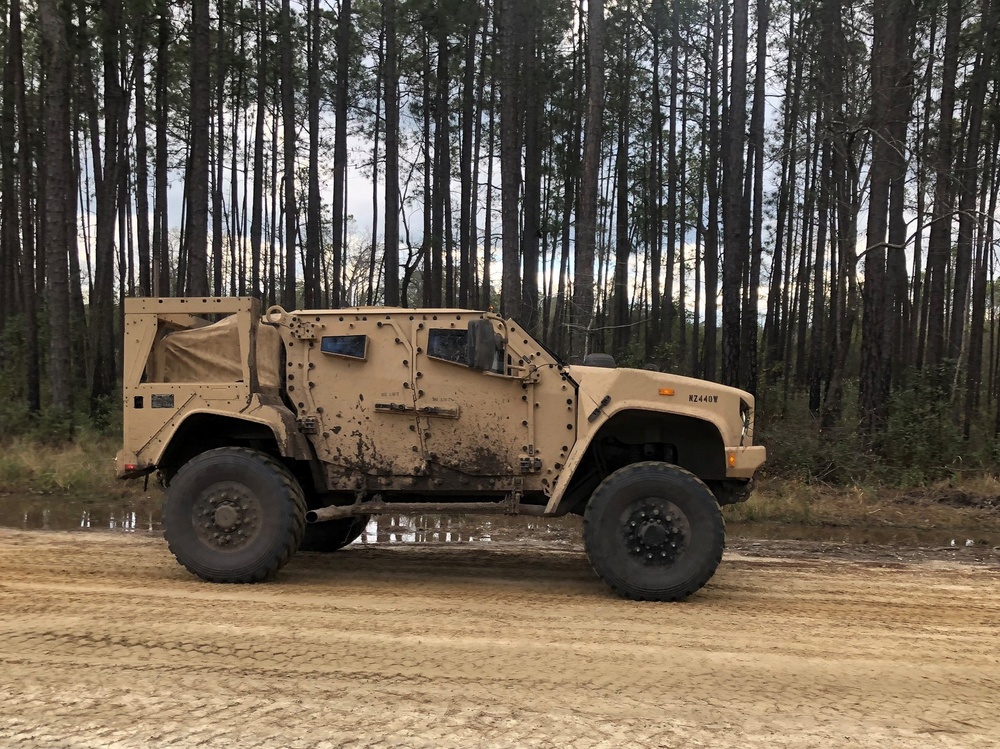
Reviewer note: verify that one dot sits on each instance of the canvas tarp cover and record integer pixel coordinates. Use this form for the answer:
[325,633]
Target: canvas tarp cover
[212,354]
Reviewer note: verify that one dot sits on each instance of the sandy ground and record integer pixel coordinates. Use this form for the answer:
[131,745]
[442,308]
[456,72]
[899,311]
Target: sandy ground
[106,642]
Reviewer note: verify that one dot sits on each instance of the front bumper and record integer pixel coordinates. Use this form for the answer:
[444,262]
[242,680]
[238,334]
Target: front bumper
[127,466]
[741,462]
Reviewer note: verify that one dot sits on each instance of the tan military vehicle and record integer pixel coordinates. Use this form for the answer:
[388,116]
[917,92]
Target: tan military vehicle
[287,430]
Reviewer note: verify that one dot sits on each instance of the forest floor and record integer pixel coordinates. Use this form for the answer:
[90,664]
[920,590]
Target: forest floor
[106,642]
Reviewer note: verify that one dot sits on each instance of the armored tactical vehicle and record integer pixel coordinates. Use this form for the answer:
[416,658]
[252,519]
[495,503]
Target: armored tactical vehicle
[285,430]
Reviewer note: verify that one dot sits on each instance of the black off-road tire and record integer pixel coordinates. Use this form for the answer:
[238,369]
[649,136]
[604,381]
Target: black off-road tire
[333,534]
[654,532]
[233,515]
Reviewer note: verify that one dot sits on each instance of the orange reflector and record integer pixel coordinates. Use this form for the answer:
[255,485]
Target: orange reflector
[130,466]
[732,460]
[666,391]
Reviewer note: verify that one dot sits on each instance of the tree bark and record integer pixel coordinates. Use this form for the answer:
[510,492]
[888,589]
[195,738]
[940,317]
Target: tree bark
[340,146]
[511,51]
[102,303]
[939,243]
[311,272]
[391,93]
[735,247]
[196,226]
[59,194]
[586,225]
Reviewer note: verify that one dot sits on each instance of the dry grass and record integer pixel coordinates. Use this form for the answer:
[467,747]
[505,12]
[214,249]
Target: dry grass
[85,469]
[82,468]
[963,503]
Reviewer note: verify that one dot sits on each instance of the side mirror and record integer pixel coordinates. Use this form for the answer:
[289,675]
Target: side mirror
[482,345]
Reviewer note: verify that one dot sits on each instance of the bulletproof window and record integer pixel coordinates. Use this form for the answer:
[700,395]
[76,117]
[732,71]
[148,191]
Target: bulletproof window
[450,345]
[353,346]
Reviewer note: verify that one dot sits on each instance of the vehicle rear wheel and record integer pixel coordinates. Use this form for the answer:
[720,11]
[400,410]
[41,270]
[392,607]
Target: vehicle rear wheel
[654,532]
[233,515]
[333,534]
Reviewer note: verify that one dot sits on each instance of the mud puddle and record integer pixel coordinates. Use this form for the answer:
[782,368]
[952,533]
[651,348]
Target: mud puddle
[143,515]
[33,512]
[873,535]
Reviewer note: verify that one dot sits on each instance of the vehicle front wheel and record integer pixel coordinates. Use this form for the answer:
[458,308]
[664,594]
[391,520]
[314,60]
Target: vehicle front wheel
[233,515]
[654,531]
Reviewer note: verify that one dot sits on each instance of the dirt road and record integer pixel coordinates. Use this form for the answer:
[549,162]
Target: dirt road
[106,642]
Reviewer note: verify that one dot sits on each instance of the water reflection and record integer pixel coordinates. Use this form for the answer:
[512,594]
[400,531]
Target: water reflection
[143,515]
[131,515]
[423,529]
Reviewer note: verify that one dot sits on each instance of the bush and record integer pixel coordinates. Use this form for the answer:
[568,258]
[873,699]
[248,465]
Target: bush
[922,442]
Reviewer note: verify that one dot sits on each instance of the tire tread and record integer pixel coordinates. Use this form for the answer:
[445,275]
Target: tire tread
[688,587]
[296,510]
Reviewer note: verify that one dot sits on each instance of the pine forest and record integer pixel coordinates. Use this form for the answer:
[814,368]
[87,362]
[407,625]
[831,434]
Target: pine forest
[795,197]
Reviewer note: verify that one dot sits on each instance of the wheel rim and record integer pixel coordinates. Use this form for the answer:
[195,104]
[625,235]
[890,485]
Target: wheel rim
[655,531]
[226,516]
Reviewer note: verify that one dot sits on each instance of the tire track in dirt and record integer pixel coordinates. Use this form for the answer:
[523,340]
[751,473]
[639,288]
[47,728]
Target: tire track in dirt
[106,642]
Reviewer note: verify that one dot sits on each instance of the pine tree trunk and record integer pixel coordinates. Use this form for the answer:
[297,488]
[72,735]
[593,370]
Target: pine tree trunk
[735,248]
[59,194]
[102,303]
[289,292]
[311,272]
[257,204]
[196,226]
[939,242]
[391,93]
[466,239]
[27,216]
[511,51]
[161,246]
[968,178]
[582,312]
[712,222]
[142,161]
[340,146]
[531,229]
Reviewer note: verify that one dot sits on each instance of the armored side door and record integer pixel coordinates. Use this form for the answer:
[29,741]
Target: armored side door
[478,428]
[351,378]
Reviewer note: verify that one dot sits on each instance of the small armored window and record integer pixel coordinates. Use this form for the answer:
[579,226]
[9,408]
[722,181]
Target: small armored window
[450,345]
[353,346]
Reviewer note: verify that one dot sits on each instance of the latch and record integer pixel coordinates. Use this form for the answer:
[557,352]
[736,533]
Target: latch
[393,408]
[597,411]
[530,464]
[442,411]
[308,425]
